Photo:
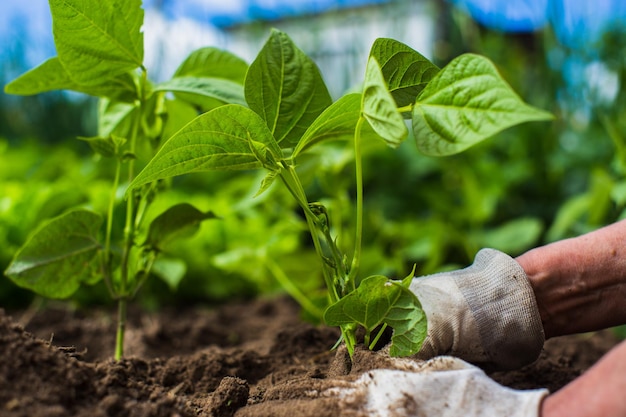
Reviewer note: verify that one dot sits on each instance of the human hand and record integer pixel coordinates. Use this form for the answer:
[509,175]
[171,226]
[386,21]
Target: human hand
[485,314]
[444,386]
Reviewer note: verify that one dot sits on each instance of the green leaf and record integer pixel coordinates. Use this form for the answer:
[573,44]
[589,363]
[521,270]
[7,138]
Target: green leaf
[153,116]
[179,113]
[267,182]
[115,117]
[213,63]
[409,324]
[379,300]
[59,255]
[406,281]
[171,271]
[379,108]
[51,75]
[285,87]
[569,214]
[107,147]
[618,193]
[264,154]
[97,40]
[217,140]
[406,71]
[512,237]
[367,305]
[338,121]
[466,103]
[181,220]
[223,90]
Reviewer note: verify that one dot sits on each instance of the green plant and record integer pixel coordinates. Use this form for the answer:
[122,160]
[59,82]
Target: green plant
[100,53]
[289,111]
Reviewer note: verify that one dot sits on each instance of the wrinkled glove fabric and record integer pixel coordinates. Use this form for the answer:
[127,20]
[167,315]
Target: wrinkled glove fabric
[441,387]
[485,314]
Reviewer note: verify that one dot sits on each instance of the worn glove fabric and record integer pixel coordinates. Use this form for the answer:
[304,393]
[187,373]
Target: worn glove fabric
[485,314]
[442,387]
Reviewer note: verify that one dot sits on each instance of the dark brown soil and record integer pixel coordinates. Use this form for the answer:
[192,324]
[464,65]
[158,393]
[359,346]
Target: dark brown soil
[249,359]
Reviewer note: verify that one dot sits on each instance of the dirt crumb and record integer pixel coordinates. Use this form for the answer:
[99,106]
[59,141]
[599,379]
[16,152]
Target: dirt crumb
[230,395]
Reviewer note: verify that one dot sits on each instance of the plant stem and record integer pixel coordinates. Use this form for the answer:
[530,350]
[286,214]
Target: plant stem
[106,256]
[292,182]
[121,328]
[378,336]
[129,235]
[358,168]
[406,109]
[145,273]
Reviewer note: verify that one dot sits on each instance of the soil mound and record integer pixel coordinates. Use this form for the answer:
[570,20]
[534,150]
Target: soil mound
[247,359]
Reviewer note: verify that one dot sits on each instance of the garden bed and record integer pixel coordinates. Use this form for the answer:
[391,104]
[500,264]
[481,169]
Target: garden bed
[248,359]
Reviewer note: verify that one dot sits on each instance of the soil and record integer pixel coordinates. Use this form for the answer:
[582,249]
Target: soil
[255,358]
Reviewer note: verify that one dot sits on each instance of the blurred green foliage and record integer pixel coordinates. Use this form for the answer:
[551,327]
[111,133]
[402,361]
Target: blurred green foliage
[530,185]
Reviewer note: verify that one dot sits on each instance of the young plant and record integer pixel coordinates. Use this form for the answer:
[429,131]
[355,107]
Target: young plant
[100,53]
[289,111]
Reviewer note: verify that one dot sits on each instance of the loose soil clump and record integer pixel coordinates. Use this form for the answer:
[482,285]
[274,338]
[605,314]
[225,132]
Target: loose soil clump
[255,358]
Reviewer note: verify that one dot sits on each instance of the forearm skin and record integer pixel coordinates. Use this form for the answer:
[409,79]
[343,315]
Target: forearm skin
[598,392]
[580,283]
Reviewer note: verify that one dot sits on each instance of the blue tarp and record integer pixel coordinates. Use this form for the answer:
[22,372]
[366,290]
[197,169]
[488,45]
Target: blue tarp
[577,24]
[227,13]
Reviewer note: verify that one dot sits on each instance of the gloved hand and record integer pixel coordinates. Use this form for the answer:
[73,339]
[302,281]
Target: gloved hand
[485,314]
[442,387]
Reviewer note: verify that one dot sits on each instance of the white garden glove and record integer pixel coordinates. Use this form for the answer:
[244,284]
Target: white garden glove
[442,387]
[485,314]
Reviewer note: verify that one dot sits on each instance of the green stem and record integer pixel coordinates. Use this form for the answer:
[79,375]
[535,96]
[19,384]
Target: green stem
[378,336]
[129,232]
[107,256]
[144,204]
[358,164]
[145,273]
[121,327]
[406,109]
[129,237]
[294,186]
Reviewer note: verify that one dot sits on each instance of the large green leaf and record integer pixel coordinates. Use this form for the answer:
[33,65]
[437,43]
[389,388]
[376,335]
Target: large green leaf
[51,75]
[466,103]
[59,255]
[97,40]
[214,63]
[224,74]
[223,90]
[285,87]
[336,122]
[379,108]
[379,300]
[406,71]
[221,139]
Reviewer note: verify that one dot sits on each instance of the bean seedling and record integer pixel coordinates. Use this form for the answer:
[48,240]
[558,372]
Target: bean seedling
[100,53]
[288,110]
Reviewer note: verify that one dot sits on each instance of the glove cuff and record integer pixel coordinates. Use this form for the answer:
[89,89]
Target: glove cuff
[503,305]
